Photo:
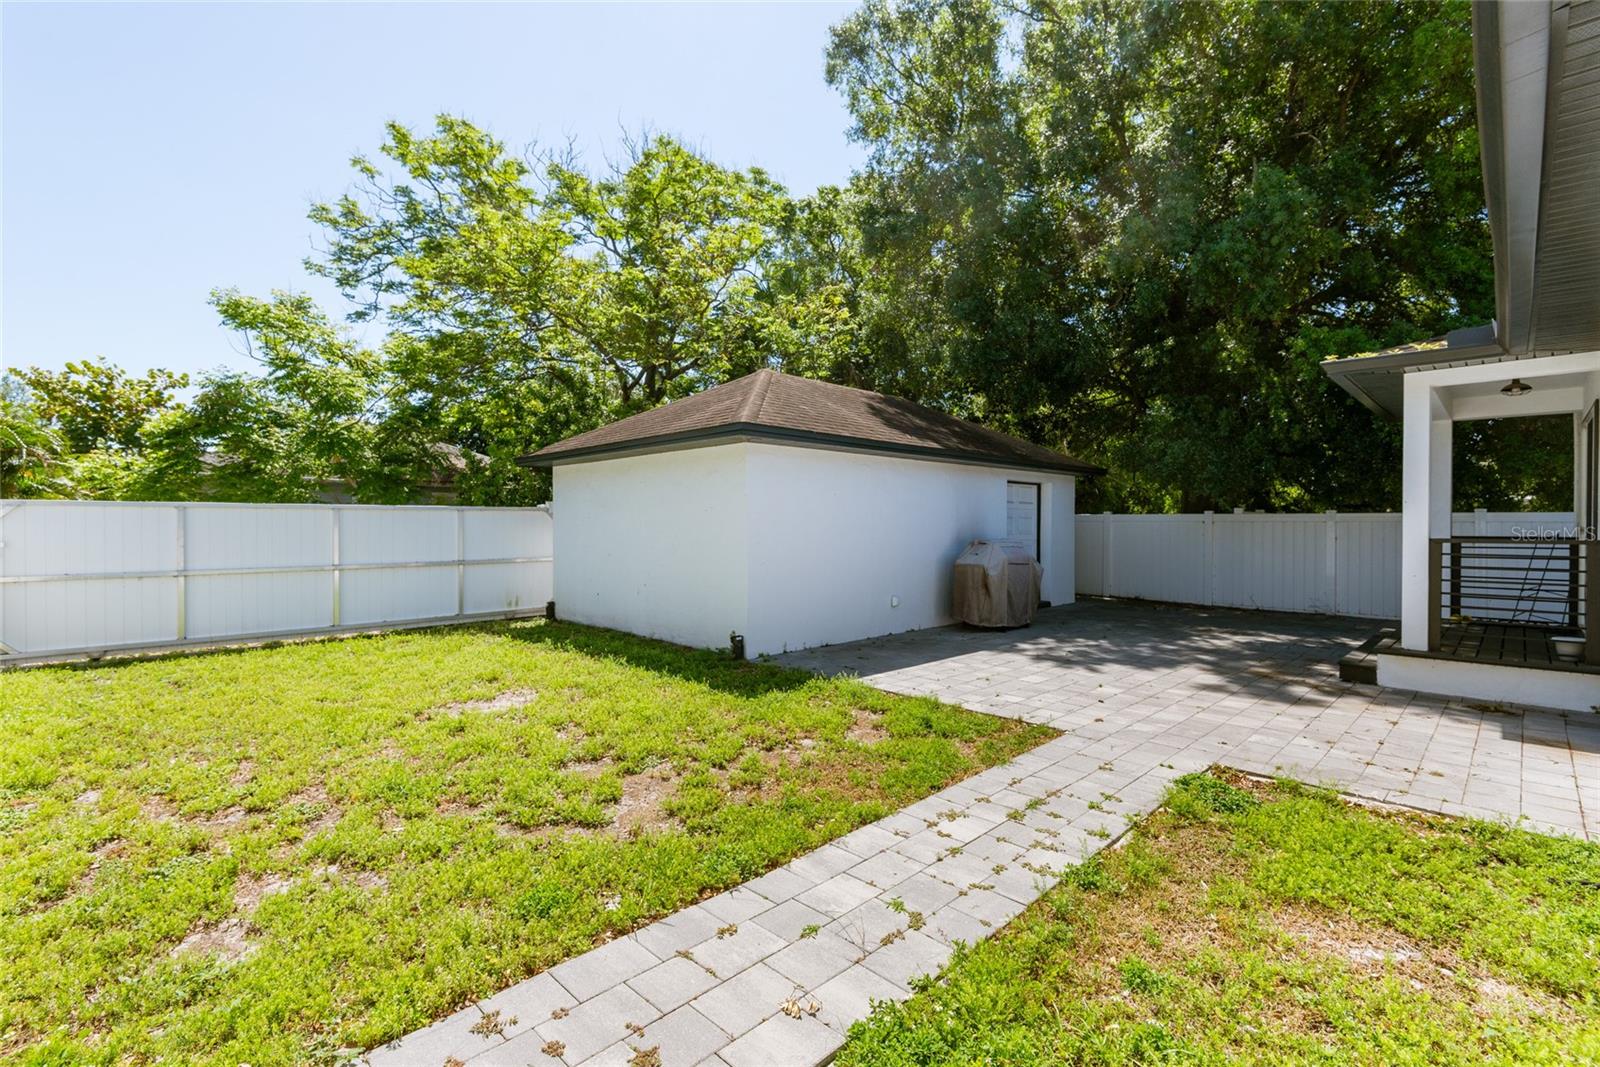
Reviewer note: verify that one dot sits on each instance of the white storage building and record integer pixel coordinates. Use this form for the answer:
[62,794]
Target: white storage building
[794,513]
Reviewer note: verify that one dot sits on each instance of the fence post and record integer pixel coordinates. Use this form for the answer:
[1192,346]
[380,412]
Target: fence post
[5,509]
[1107,556]
[1591,602]
[1574,561]
[1435,558]
[181,514]
[1209,579]
[338,512]
[461,562]
[1331,569]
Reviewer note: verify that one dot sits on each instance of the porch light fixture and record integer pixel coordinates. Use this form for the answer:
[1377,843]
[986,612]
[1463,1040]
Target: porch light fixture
[1516,387]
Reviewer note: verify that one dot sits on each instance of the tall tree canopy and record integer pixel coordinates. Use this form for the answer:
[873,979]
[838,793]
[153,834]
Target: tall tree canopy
[1137,227]
[1130,227]
[557,297]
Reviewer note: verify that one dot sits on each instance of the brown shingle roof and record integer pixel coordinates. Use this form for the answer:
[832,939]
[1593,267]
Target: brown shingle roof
[768,405]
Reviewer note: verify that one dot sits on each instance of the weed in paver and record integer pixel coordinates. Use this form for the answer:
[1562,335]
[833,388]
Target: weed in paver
[350,839]
[493,1024]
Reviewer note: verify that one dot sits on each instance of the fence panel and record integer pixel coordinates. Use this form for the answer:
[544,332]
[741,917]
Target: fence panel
[89,576]
[1090,542]
[1154,558]
[1333,563]
[1367,566]
[1270,562]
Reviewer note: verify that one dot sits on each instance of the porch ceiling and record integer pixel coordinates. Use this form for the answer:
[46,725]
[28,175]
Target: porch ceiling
[1552,394]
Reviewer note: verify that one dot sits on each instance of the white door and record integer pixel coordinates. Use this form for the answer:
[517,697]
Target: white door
[1022,515]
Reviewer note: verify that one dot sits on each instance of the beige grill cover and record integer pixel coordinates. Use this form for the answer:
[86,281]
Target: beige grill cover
[996,584]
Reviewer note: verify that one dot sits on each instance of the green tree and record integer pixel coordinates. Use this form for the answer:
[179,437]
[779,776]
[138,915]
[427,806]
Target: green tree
[445,239]
[664,284]
[315,414]
[1136,227]
[531,297]
[96,405]
[30,449]
[1514,464]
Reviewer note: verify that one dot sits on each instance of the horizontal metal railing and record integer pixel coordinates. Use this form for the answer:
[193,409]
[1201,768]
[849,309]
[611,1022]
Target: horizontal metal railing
[1544,582]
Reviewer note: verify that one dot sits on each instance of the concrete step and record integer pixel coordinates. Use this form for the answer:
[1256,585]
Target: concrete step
[1361,664]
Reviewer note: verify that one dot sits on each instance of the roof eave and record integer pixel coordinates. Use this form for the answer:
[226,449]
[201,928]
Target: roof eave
[1358,374]
[730,433]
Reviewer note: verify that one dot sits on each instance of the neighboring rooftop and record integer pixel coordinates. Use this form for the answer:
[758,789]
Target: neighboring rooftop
[770,406]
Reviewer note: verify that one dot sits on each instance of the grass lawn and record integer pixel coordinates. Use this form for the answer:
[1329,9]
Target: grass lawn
[1271,924]
[282,854]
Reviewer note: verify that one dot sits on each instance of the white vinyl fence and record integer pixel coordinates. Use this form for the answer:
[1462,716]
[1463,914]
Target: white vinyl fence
[81,576]
[1338,564]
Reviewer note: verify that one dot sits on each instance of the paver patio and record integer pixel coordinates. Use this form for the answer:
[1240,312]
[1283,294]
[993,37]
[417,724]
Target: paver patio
[1144,693]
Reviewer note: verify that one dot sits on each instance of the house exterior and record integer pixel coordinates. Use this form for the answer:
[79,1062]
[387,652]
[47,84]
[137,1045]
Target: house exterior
[1510,618]
[793,513]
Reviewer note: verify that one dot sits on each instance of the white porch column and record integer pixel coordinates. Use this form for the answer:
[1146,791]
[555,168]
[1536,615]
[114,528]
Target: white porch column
[1425,502]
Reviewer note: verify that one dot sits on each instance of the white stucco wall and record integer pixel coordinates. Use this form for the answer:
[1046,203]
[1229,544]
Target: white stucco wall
[654,544]
[849,545]
[792,547]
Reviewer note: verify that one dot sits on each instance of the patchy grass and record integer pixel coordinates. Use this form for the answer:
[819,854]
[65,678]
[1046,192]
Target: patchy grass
[282,854]
[1272,924]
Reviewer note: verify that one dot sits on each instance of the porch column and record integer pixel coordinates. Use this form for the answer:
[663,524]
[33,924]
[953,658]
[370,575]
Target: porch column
[1425,503]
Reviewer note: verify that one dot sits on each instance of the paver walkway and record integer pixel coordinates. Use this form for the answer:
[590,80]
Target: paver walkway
[1143,695]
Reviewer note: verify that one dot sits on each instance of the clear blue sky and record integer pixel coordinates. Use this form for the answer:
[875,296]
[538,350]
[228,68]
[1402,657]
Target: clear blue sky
[153,152]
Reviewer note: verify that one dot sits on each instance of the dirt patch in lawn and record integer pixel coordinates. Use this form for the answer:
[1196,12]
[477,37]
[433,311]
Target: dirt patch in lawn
[511,698]
[592,768]
[314,800]
[641,808]
[867,729]
[157,808]
[791,754]
[222,821]
[228,940]
[86,881]
[361,879]
[249,890]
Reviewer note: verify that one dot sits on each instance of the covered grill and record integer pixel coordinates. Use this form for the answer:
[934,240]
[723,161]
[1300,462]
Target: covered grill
[996,584]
